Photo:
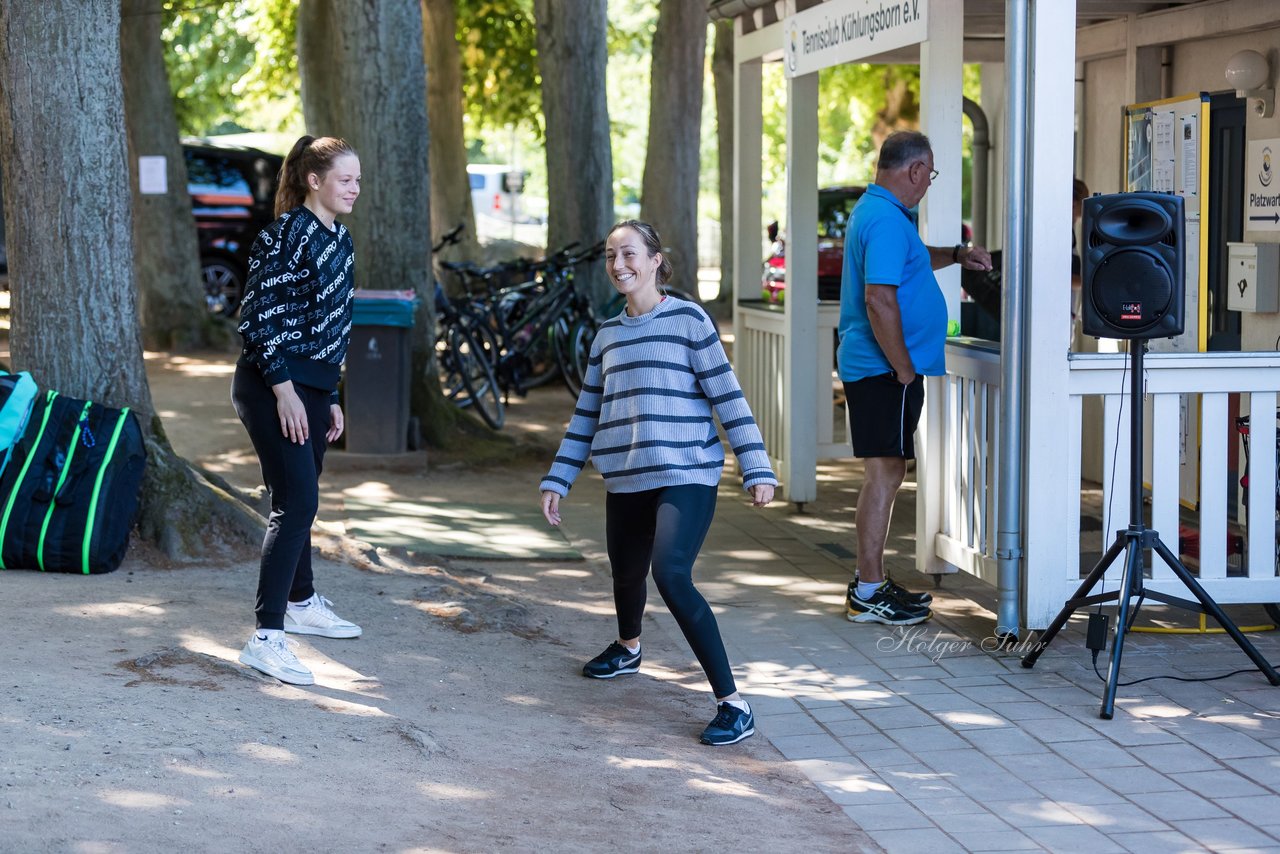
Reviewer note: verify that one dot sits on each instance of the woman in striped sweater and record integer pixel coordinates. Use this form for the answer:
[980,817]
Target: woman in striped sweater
[657,371]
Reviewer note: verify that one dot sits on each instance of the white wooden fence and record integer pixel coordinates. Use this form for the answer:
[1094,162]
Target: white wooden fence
[759,355]
[1207,380]
[969,468]
[967,472]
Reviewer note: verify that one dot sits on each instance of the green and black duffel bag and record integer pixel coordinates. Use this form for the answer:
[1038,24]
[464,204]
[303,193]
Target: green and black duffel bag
[69,488]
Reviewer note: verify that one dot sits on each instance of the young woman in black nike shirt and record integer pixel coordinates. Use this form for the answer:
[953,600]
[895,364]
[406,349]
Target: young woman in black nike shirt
[296,322]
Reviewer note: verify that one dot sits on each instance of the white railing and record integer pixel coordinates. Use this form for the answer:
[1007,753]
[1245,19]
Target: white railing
[1207,381]
[833,420]
[969,467]
[759,357]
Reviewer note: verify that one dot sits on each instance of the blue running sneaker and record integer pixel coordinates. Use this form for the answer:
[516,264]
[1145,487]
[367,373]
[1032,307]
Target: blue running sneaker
[730,726]
[614,661]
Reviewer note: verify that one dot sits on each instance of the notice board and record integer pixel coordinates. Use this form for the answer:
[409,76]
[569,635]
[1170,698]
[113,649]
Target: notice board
[1166,150]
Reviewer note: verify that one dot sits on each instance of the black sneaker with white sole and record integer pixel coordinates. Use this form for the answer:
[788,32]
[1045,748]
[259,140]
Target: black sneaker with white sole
[614,661]
[730,726]
[907,597]
[883,607]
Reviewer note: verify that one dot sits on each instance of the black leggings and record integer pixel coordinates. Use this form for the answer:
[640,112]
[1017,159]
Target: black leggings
[292,474]
[665,527]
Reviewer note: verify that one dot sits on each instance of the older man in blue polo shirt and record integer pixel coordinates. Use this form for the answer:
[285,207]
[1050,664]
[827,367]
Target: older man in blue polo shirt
[893,332]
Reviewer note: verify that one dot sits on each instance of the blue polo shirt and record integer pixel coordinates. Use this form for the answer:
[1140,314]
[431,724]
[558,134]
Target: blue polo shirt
[883,247]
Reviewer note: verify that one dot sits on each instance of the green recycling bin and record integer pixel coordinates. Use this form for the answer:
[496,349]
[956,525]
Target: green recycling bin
[379,363]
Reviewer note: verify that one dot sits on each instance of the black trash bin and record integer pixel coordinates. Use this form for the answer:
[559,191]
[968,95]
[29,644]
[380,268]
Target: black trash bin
[379,362]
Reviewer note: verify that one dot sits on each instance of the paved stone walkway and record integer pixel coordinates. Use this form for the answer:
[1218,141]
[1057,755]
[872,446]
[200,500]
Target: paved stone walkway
[932,741]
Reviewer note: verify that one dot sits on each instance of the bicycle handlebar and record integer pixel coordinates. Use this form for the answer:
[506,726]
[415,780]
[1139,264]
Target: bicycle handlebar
[450,237]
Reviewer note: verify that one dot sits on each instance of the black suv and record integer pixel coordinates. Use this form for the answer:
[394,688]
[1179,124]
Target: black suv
[233,190]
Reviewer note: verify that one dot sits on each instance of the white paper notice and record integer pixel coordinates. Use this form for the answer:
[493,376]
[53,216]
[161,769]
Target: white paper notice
[1190,155]
[1162,151]
[153,178]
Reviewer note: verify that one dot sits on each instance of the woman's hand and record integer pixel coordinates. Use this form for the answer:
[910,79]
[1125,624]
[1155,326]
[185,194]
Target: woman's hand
[336,423]
[293,415]
[551,507]
[761,494]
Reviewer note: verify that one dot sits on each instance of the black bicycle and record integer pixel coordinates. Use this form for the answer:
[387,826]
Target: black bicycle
[464,351]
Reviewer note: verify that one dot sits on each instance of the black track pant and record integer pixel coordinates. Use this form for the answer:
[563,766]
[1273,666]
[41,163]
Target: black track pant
[291,473]
[665,528]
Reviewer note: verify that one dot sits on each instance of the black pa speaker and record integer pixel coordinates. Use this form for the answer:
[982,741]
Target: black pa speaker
[1133,266]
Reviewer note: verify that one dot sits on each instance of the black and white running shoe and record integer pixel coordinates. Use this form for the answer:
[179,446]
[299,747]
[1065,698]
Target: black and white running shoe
[883,607]
[907,597]
[614,661]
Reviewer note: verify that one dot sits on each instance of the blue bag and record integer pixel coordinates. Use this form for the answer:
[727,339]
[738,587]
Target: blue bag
[17,395]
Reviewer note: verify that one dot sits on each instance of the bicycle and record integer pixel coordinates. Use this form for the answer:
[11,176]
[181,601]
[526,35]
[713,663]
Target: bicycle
[463,351]
[536,322]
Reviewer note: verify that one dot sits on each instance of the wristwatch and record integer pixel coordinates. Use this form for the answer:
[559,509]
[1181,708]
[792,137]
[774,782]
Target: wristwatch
[955,253]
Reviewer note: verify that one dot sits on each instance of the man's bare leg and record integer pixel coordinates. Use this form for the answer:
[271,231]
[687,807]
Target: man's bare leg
[883,476]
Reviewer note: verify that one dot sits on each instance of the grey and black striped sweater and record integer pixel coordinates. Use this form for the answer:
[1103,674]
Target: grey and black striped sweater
[645,413]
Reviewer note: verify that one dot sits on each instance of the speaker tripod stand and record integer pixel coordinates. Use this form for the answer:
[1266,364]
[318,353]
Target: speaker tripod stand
[1133,541]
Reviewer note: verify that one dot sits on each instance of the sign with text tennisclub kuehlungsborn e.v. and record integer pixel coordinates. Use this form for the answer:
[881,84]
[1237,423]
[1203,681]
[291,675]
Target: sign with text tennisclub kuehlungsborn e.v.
[1262,186]
[841,31]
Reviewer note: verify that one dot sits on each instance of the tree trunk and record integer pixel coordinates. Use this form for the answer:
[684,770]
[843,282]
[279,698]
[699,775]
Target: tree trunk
[669,193]
[450,187]
[74,321]
[572,56]
[166,254]
[363,79]
[722,72]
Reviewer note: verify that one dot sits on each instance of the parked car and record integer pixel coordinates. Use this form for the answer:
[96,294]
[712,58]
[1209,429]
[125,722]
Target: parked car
[835,207]
[233,191]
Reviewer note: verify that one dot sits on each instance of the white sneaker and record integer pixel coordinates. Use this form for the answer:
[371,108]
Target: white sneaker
[316,617]
[268,651]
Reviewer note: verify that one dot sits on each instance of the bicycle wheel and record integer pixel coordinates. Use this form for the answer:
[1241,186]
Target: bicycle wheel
[475,376]
[543,365]
[573,351]
[447,366]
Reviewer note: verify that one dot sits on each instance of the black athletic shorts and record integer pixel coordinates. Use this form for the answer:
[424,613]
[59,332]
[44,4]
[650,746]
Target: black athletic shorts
[883,414]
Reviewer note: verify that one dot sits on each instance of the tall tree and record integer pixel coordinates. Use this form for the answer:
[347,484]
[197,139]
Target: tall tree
[166,253]
[722,71]
[74,320]
[669,193]
[572,58]
[363,79]
[450,187]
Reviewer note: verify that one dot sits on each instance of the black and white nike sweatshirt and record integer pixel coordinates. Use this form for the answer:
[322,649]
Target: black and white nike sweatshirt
[296,316]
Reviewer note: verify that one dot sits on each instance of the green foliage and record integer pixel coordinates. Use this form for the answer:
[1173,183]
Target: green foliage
[854,101]
[632,24]
[500,81]
[233,64]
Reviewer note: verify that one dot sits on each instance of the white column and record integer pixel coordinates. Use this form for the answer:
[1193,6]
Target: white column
[941,118]
[1048,495]
[748,127]
[801,392]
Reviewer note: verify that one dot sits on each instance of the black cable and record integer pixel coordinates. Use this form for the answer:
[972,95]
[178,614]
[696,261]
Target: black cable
[1115,456]
[1175,678]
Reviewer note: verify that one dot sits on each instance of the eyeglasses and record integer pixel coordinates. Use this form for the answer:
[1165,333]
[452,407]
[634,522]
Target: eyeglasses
[933,173]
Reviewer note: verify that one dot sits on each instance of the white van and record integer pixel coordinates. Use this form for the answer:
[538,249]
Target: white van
[496,189]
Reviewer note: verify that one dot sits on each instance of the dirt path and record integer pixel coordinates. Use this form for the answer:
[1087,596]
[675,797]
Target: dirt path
[459,722]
